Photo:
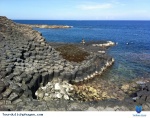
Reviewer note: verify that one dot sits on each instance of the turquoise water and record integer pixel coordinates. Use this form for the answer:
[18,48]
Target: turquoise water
[131,61]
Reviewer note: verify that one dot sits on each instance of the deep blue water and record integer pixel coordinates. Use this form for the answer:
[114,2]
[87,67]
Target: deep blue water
[131,61]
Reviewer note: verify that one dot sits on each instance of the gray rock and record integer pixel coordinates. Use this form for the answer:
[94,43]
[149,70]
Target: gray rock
[26,55]
[18,79]
[32,84]
[9,107]
[92,109]
[146,107]
[2,86]
[17,72]
[56,73]
[7,102]
[79,73]
[27,79]
[51,75]
[123,108]
[73,75]
[45,77]
[9,71]
[100,108]
[62,76]
[10,77]
[27,93]
[16,88]
[78,79]
[6,82]
[24,87]
[109,109]
[13,97]
[17,101]
[3,73]
[2,102]
[1,97]
[1,77]
[68,76]
[148,86]
[23,75]
[76,107]
[7,93]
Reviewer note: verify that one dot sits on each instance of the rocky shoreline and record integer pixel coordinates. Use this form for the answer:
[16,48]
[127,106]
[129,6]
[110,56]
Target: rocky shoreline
[28,64]
[49,26]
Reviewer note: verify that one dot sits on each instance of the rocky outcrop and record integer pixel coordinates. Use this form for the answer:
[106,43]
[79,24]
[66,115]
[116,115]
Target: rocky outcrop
[106,44]
[29,65]
[27,61]
[55,90]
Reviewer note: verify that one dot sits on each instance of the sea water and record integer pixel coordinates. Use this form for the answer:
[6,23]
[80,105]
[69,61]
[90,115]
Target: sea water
[131,54]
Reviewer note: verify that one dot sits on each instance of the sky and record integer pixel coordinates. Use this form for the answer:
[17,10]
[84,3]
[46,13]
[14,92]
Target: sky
[75,9]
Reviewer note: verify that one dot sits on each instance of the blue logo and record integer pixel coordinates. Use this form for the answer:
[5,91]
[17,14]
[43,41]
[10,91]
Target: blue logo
[138,109]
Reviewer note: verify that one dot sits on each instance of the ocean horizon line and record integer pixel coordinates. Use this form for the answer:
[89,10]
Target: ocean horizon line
[75,20]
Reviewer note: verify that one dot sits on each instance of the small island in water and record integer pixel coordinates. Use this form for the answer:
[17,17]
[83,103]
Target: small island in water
[37,75]
[50,26]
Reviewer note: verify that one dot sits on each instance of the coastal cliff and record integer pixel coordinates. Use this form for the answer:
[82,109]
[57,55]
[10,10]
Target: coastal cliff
[33,72]
[29,62]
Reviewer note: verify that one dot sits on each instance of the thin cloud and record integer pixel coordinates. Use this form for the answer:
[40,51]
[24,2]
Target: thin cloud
[97,6]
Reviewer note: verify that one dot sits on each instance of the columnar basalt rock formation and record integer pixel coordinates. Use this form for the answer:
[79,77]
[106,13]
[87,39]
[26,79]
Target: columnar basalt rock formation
[28,62]
[29,65]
